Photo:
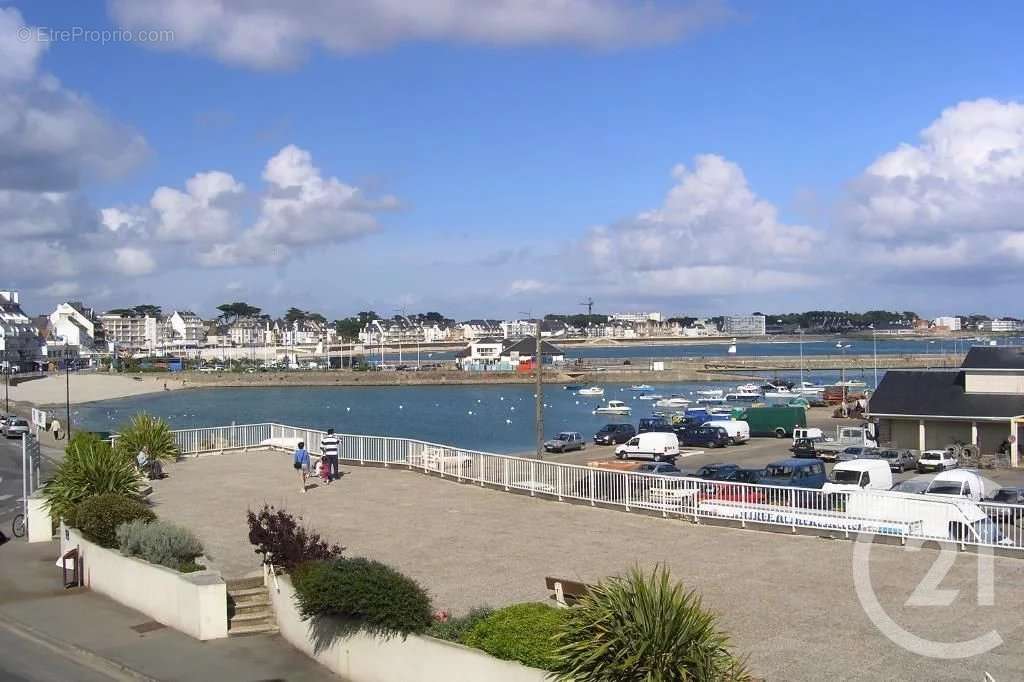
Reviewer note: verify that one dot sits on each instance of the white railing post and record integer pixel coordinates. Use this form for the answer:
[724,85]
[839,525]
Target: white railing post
[533,478]
[590,478]
[505,476]
[558,473]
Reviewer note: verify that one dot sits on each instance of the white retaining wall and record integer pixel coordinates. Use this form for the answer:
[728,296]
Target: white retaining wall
[194,603]
[40,528]
[365,658]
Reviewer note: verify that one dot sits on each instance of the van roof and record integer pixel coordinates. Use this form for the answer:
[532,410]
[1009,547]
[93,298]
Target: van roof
[956,475]
[862,465]
[794,462]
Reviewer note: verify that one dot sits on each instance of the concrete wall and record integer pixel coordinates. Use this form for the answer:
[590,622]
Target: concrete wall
[364,658]
[992,434]
[902,433]
[939,434]
[194,603]
[994,383]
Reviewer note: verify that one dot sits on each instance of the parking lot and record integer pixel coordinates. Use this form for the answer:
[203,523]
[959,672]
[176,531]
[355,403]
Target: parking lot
[759,452]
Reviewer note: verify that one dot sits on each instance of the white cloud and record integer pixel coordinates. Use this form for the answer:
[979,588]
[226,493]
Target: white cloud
[711,233]
[300,207]
[527,286]
[133,261]
[200,213]
[956,199]
[267,35]
[61,289]
[18,56]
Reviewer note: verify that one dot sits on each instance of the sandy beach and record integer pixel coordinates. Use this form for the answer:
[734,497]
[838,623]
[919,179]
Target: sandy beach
[88,387]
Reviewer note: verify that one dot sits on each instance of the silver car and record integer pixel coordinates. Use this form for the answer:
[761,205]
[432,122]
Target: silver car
[564,442]
[15,427]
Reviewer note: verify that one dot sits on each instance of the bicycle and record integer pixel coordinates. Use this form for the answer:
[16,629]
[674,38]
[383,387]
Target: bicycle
[18,526]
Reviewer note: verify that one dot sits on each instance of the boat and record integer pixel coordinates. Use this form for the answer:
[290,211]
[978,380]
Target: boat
[641,387]
[780,393]
[573,387]
[592,390]
[650,396]
[614,407]
[674,402]
[851,383]
[732,348]
[719,400]
[711,393]
[743,397]
[807,388]
[748,388]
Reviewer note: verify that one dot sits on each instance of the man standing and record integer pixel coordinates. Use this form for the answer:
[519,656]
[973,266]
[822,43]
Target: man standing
[329,447]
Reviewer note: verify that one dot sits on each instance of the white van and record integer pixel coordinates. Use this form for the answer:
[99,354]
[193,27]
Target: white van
[859,474]
[808,433]
[928,516]
[959,483]
[656,445]
[739,432]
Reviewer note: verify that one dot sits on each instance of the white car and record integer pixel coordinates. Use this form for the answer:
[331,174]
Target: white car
[936,460]
[656,445]
[15,427]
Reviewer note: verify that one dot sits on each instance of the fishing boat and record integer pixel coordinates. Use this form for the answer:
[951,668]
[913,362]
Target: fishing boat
[707,400]
[650,396]
[743,397]
[748,388]
[614,407]
[807,388]
[592,390]
[641,387]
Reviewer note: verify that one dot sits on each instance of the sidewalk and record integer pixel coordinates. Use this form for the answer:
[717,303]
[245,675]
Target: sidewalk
[82,623]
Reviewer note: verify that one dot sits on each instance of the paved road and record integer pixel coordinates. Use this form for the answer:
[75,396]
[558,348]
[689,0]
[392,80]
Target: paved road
[25,658]
[10,478]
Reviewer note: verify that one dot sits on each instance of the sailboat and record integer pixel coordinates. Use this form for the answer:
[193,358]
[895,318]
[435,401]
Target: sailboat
[732,348]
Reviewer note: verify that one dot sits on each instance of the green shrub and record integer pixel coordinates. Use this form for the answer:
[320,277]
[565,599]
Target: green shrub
[280,539]
[99,516]
[89,468]
[149,432]
[365,594]
[643,628]
[455,629]
[522,632]
[159,542]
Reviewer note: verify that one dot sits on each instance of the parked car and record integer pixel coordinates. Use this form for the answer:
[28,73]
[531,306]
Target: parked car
[856,452]
[654,424]
[861,474]
[739,432]
[911,485]
[804,448]
[936,460]
[899,460]
[3,420]
[660,468]
[962,483]
[704,436]
[715,472]
[564,442]
[795,473]
[613,434]
[660,447]
[15,427]
[1013,512]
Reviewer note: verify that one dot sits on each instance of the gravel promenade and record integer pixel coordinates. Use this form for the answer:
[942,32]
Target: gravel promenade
[788,601]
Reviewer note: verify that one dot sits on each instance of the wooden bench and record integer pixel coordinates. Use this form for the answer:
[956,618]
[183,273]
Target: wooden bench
[567,592]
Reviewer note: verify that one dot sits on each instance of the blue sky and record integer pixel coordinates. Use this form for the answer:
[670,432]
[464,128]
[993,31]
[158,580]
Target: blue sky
[530,165]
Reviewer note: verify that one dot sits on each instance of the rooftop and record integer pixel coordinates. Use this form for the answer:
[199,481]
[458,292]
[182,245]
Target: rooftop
[994,357]
[939,393]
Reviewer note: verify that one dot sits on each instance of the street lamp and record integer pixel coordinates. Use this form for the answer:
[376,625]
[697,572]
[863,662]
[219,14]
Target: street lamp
[842,347]
[67,395]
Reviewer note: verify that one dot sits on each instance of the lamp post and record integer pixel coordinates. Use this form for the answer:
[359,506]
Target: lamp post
[874,352]
[67,395]
[539,360]
[842,347]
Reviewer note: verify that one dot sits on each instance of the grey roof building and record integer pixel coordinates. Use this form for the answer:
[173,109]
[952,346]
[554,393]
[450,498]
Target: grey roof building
[982,403]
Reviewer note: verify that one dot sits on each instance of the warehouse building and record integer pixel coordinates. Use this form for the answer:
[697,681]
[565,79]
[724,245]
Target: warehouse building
[982,403]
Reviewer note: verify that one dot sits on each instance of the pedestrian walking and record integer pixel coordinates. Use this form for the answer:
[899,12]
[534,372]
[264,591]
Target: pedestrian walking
[329,445]
[301,463]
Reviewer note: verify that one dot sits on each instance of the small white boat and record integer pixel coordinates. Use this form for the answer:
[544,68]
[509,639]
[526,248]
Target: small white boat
[748,388]
[650,396]
[732,348]
[807,388]
[718,400]
[641,387]
[672,403]
[743,397]
[781,393]
[592,390]
[614,407]
[711,393]
[851,383]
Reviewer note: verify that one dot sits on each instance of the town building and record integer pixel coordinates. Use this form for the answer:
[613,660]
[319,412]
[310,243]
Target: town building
[20,345]
[999,326]
[517,329]
[744,325]
[639,318]
[74,324]
[494,354]
[982,403]
[247,331]
[477,329]
[187,328]
[947,322]
[126,331]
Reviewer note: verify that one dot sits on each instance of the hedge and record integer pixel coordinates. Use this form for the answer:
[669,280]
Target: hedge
[99,516]
[527,633]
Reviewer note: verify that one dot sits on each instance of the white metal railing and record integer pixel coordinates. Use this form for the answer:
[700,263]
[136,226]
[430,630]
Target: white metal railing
[906,516]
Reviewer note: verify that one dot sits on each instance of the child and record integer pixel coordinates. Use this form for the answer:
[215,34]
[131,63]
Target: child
[301,462]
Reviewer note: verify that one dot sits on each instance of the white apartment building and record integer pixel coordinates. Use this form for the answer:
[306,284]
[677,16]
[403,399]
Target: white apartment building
[20,345]
[75,325]
[744,325]
[477,329]
[131,331]
[187,327]
[999,326]
[249,332]
[947,322]
[637,318]
[517,329]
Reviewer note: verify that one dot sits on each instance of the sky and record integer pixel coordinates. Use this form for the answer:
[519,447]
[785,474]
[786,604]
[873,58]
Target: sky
[501,157]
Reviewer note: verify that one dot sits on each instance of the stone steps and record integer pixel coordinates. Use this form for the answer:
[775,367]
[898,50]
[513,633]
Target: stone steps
[249,611]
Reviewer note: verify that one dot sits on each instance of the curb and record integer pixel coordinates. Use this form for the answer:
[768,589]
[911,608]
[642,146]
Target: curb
[81,655]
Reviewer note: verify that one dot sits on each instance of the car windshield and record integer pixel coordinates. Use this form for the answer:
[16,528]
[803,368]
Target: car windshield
[845,476]
[888,454]
[944,488]
[1006,496]
[564,436]
[929,455]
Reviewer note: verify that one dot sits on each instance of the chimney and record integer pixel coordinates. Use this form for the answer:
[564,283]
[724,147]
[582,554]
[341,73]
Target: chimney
[11,296]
